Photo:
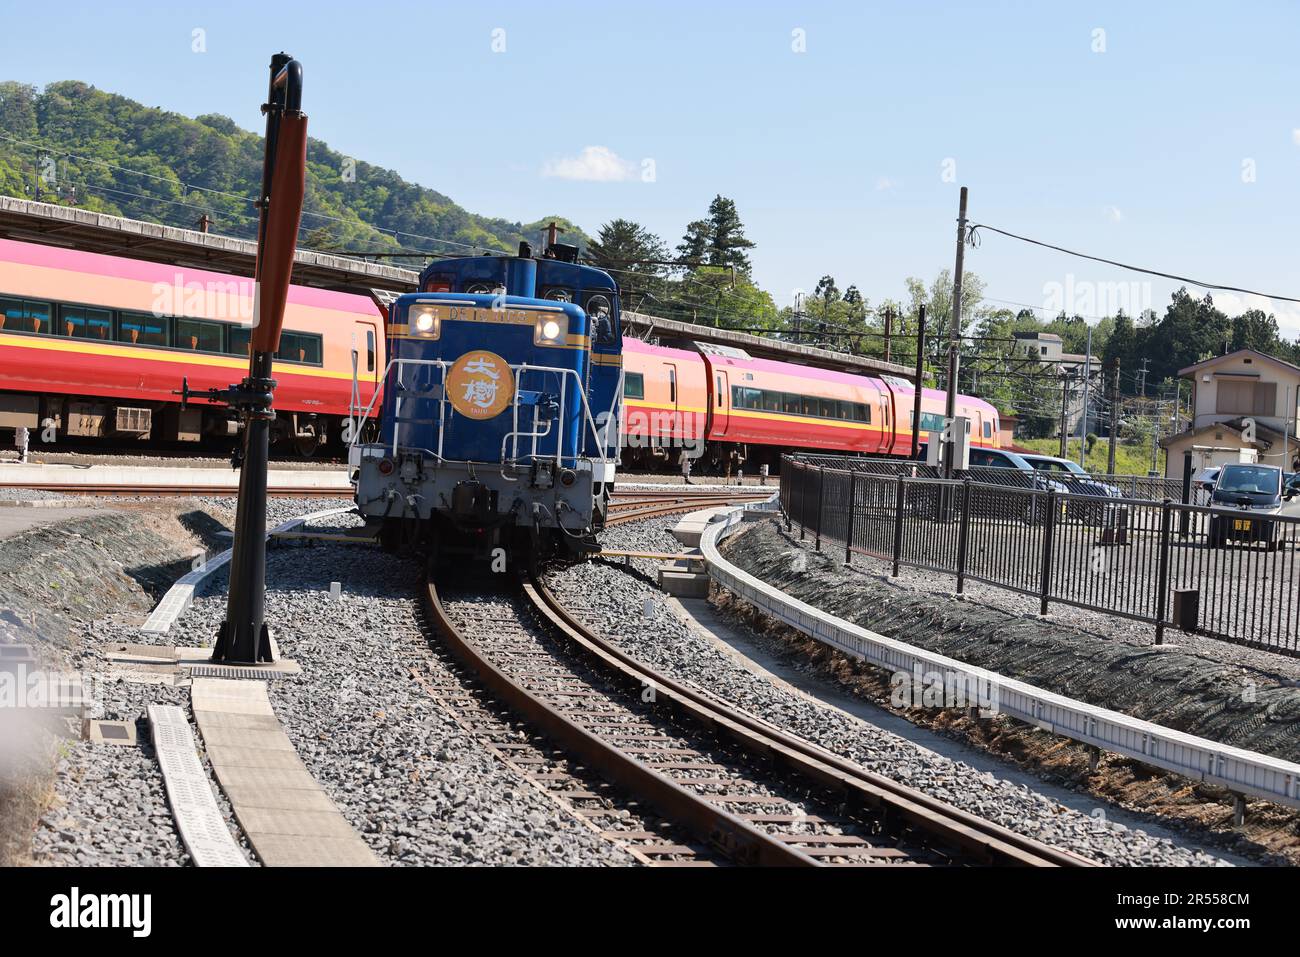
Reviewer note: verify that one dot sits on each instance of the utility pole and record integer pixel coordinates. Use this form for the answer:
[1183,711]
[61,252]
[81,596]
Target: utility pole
[1087,381]
[1065,382]
[1142,379]
[1155,437]
[920,382]
[889,328]
[798,317]
[954,339]
[1114,416]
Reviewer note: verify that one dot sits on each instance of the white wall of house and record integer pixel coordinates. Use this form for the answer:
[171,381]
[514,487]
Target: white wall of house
[1246,385]
[1208,450]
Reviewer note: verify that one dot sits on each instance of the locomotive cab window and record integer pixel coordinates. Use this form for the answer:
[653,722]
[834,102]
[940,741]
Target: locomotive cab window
[601,313]
[82,322]
[199,335]
[142,329]
[634,385]
[988,430]
[557,293]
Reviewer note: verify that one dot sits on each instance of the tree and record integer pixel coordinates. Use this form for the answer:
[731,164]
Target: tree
[1254,329]
[727,242]
[626,250]
[694,246]
[857,306]
[827,292]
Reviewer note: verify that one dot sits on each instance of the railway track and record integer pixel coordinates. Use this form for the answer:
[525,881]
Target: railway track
[281,491]
[636,500]
[678,778]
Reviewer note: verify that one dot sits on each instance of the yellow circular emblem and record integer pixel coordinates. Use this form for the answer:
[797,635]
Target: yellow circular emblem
[480,384]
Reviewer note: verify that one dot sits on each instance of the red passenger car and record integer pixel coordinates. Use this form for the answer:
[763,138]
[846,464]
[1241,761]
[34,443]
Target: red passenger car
[94,345]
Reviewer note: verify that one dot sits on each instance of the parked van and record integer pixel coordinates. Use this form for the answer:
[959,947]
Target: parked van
[1249,493]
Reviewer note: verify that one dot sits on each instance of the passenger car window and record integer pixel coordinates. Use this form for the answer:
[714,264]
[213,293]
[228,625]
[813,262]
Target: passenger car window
[82,322]
[300,347]
[198,334]
[23,315]
[240,337]
[634,385]
[141,329]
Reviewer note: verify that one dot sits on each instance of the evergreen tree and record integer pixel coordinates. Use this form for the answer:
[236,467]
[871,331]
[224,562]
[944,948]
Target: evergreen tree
[695,244]
[827,292]
[727,243]
[624,249]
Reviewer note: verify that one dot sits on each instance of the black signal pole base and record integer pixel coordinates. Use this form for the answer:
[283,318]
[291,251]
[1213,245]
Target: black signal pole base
[243,638]
[228,639]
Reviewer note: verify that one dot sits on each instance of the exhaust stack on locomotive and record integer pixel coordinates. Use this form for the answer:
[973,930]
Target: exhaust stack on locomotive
[500,409]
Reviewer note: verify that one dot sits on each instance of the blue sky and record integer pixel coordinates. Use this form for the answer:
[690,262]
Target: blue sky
[1170,140]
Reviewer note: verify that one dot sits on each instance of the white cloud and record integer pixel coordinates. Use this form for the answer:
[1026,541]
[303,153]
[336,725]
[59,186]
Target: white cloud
[1114,214]
[1295,137]
[595,164]
[885,183]
[1287,314]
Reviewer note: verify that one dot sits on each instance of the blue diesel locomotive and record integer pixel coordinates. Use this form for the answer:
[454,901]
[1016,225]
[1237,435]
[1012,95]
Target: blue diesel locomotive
[501,401]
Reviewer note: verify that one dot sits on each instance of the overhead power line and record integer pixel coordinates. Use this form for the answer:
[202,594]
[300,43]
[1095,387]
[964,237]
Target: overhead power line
[973,238]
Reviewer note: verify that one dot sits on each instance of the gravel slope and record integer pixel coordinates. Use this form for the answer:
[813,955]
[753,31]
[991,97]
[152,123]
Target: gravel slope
[414,785]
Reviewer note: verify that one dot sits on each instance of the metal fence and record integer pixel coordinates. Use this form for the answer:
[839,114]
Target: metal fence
[1223,573]
[1150,488]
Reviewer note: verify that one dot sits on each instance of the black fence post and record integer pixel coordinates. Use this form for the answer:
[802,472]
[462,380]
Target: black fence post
[1184,516]
[787,485]
[963,531]
[803,503]
[821,498]
[1045,576]
[898,524]
[853,508]
[1162,596]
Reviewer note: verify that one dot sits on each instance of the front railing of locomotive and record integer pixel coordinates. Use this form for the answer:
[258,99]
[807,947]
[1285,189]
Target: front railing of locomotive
[391,475]
[551,454]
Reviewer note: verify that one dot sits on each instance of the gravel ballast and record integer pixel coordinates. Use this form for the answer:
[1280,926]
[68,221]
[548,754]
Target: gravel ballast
[610,598]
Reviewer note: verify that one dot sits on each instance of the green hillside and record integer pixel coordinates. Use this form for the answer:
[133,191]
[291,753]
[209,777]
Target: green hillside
[73,144]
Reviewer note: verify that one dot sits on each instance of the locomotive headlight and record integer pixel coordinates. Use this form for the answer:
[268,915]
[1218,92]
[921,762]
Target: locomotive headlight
[549,332]
[424,321]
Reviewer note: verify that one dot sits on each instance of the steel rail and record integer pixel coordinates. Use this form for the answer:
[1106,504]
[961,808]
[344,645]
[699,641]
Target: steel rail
[291,491]
[739,840]
[990,842]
